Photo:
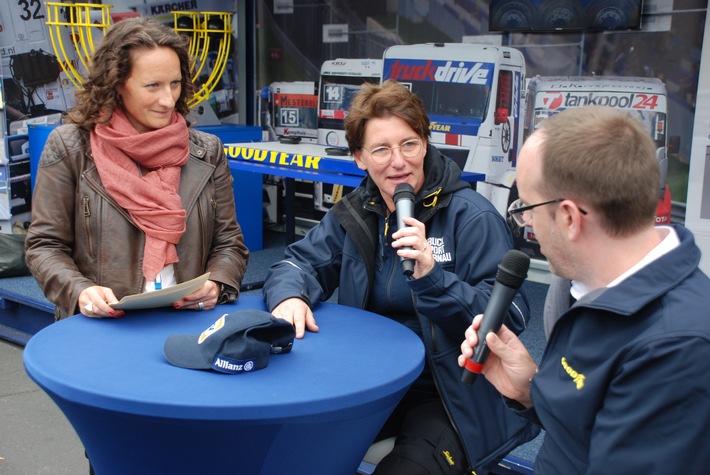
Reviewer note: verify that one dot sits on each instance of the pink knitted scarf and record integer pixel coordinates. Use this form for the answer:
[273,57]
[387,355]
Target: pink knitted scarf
[152,198]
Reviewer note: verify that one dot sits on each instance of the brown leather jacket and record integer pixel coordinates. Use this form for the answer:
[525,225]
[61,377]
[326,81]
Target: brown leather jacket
[80,237]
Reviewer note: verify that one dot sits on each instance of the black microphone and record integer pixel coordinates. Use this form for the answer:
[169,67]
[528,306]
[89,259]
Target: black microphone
[404,206]
[512,271]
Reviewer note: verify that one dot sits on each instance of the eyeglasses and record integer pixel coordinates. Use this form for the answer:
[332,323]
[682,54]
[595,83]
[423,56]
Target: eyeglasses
[518,210]
[382,155]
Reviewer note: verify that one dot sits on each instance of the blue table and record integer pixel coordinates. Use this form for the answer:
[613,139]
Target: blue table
[312,411]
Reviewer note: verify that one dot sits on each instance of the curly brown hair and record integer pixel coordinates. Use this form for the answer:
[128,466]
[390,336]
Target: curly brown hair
[111,65]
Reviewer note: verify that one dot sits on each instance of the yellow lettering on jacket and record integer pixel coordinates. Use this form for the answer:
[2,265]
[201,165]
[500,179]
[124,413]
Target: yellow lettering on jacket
[578,378]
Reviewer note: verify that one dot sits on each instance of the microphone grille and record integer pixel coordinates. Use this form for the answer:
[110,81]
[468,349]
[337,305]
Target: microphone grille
[513,269]
[403,191]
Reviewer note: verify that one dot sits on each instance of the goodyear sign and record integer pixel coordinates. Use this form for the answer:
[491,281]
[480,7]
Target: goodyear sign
[273,157]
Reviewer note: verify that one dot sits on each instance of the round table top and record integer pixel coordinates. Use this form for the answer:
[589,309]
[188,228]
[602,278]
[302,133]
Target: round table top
[357,357]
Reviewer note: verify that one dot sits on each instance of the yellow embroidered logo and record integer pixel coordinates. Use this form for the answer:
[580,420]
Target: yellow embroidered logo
[578,378]
[213,328]
[449,458]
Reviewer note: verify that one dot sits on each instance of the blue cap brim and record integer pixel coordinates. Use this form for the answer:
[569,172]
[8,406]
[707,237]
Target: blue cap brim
[183,350]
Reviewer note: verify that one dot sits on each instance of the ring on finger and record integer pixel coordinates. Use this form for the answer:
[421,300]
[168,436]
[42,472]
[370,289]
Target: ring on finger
[89,308]
[201,305]
[426,244]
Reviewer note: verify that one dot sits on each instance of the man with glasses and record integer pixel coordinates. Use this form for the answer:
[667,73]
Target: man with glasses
[456,239]
[623,386]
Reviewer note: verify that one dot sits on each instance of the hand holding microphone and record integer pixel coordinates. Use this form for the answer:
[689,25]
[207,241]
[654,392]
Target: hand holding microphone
[512,271]
[404,206]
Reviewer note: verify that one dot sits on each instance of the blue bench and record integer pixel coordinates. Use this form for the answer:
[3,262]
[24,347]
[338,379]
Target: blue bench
[23,309]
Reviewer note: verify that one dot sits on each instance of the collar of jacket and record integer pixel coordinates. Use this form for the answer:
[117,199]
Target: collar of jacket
[442,177]
[358,211]
[668,271]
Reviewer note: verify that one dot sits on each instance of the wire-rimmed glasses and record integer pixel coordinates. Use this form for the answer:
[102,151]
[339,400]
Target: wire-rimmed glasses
[382,155]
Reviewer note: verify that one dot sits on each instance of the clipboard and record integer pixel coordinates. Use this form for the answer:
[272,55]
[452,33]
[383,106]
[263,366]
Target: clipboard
[160,298]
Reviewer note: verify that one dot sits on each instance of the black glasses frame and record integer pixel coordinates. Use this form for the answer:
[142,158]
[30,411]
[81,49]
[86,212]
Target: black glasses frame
[525,208]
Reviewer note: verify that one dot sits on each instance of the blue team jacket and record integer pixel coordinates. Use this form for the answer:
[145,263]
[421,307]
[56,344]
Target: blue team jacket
[623,386]
[469,238]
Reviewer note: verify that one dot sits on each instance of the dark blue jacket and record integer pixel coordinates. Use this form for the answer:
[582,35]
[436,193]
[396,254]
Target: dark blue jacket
[623,386]
[469,238]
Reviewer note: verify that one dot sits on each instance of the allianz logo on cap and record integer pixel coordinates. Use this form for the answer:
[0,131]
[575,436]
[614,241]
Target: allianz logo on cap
[229,365]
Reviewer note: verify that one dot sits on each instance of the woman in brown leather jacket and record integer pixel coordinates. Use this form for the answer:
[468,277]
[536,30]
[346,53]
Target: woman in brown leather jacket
[128,198]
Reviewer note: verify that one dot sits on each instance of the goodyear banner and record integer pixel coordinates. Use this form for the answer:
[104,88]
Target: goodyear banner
[272,157]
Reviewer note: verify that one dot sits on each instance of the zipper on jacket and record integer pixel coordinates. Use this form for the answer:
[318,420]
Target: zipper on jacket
[387,226]
[201,219]
[87,224]
[434,198]
[109,200]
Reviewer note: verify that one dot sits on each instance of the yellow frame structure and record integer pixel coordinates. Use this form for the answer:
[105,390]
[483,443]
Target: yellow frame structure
[80,26]
[206,28]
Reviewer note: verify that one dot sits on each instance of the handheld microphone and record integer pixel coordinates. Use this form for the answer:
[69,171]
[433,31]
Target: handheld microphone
[512,271]
[404,206]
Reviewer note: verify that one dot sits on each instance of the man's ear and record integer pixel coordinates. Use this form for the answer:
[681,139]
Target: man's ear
[572,218]
[358,160]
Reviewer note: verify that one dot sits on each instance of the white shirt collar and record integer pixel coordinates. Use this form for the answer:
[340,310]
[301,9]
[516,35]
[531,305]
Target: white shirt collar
[669,242]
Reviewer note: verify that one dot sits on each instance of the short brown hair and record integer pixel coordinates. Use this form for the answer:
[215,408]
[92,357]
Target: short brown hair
[382,101]
[605,158]
[111,65]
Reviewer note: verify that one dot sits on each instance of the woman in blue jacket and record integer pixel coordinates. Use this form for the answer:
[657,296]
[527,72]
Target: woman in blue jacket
[456,240]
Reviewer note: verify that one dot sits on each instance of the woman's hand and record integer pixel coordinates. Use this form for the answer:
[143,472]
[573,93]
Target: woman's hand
[204,298]
[94,302]
[297,313]
[414,237]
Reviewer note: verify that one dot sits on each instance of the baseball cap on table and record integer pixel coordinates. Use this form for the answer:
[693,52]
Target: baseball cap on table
[237,342]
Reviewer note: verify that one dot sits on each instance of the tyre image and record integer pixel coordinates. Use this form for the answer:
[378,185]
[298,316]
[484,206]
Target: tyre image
[612,14]
[512,15]
[561,15]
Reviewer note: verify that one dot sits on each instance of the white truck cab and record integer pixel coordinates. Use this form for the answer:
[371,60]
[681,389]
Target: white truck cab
[340,80]
[643,98]
[293,109]
[473,96]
